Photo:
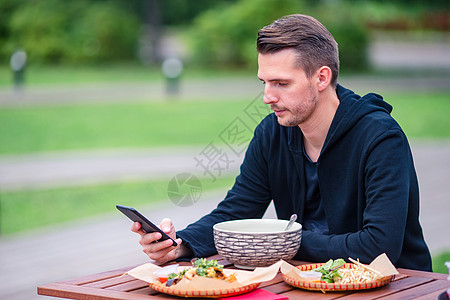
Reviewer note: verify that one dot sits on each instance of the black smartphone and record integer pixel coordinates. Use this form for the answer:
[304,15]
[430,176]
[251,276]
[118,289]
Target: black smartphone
[148,226]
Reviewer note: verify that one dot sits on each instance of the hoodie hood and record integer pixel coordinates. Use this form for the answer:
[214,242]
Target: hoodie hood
[351,109]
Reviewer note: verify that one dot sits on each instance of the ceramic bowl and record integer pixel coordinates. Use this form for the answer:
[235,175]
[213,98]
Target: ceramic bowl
[254,243]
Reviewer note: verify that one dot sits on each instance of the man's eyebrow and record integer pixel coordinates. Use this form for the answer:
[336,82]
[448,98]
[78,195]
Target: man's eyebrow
[274,79]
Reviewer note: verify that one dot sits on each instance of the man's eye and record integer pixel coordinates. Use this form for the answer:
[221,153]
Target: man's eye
[282,84]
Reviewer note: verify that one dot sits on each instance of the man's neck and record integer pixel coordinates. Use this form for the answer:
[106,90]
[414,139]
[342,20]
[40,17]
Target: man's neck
[315,129]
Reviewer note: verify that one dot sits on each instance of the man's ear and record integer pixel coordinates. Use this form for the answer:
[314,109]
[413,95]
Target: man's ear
[324,75]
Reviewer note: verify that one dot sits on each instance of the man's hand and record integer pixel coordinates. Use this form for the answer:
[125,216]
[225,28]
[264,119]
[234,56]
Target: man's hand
[162,251]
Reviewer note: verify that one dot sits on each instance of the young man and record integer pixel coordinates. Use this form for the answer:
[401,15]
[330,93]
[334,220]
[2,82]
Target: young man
[337,160]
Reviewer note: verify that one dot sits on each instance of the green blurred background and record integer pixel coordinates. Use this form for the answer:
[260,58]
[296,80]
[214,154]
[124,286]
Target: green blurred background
[217,33]
[74,43]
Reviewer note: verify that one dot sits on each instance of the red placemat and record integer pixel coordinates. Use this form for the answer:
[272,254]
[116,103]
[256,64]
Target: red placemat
[258,294]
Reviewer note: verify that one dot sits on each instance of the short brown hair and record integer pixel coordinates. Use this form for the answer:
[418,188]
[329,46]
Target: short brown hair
[315,45]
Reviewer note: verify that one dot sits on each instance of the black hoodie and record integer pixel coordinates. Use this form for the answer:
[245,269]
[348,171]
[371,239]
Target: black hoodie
[367,182]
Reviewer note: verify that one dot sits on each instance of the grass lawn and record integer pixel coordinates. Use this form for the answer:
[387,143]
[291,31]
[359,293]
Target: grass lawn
[439,262]
[31,209]
[36,75]
[37,129]
[54,75]
[77,126]
[422,115]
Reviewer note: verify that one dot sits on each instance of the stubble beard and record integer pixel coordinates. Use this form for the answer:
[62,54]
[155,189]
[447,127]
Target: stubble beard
[299,113]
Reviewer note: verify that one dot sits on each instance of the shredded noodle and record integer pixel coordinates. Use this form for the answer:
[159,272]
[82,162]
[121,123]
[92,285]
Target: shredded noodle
[355,275]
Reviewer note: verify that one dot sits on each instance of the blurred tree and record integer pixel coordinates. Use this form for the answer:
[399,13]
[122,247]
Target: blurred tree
[222,35]
[225,36]
[7,7]
[430,4]
[182,12]
[105,32]
[402,15]
[55,31]
[38,28]
[152,30]
[77,31]
[350,31]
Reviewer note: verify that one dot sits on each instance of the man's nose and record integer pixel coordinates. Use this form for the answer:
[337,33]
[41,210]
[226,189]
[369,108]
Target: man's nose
[269,96]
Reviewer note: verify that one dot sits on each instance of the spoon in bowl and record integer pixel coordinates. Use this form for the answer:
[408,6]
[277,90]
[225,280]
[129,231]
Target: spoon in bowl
[291,221]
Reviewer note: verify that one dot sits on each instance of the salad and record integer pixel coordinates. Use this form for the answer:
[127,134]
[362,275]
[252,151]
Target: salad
[330,270]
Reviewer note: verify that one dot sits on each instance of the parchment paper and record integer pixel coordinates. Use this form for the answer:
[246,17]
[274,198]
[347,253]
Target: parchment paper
[146,273]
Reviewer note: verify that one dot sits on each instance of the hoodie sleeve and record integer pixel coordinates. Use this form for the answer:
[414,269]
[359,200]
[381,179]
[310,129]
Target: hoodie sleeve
[248,199]
[390,184]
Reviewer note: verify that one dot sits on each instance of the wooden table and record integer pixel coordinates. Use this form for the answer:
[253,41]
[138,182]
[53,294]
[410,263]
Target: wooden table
[409,284]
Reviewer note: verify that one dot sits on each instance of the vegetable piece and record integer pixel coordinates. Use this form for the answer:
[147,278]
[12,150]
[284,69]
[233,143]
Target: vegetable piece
[177,275]
[163,273]
[330,270]
[172,281]
[204,265]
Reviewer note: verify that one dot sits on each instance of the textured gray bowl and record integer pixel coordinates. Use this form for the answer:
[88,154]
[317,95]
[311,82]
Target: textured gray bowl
[254,243]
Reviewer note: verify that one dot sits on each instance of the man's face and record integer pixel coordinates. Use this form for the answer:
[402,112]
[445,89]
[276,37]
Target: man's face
[290,94]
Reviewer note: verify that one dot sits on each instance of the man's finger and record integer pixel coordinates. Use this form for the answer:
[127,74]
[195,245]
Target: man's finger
[136,227]
[166,225]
